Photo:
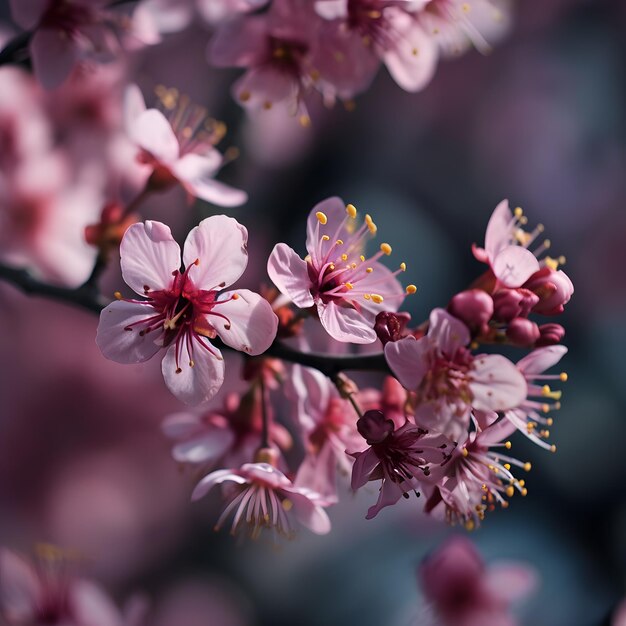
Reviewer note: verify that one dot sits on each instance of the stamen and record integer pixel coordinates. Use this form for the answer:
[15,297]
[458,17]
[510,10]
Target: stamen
[351,210]
[378,299]
[321,218]
[411,289]
[385,248]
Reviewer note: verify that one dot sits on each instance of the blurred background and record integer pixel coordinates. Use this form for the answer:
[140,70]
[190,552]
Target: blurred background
[541,121]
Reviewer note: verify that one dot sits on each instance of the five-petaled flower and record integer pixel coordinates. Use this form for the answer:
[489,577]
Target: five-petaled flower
[184,308]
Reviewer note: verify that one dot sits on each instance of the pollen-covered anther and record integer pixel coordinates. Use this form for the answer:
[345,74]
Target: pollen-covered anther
[351,210]
[367,296]
[325,238]
[349,286]
[410,289]
[553,448]
[244,96]
[510,491]
[235,296]
[339,242]
[321,218]
[118,295]
[344,257]
[287,504]
[527,466]
[370,224]
[378,299]
[369,270]
[385,248]
[563,377]
[507,445]
[403,266]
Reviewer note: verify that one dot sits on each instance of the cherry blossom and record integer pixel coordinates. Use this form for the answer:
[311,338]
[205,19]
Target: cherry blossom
[184,309]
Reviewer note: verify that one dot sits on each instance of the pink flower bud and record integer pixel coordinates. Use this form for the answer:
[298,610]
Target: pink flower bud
[522,332]
[374,427]
[550,334]
[553,288]
[474,307]
[512,303]
[391,326]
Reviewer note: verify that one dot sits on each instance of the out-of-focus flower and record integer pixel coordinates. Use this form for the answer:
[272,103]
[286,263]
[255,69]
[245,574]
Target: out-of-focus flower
[215,11]
[464,592]
[184,309]
[263,497]
[44,592]
[449,380]
[44,209]
[347,289]
[68,32]
[177,143]
[400,457]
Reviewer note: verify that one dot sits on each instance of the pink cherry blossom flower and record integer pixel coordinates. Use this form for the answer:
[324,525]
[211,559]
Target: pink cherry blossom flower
[553,289]
[328,425]
[68,32]
[399,457]
[347,289]
[215,11]
[176,143]
[184,309]
[530,417]
[46,593]
[476,478]
[507,247]
[263,497]
[390,31]
[465,592]
[449,380]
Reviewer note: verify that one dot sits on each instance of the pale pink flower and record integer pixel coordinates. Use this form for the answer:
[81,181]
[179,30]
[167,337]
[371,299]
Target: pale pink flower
[184,309]
[44,209]
[400,457]
[530,417]
[176,143]
[215,11]
[464,592]
[263,497]
[68,32]
[347,289]
[388,30]
[169,16]
[44,592]
[476,478]
[449,380]
[619,615]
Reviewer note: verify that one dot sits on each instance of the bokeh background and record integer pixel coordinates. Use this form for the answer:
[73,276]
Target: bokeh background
[540,121]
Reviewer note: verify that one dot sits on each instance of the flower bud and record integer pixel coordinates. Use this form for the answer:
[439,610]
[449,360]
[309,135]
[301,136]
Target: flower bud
[474,307]
[391,326]
[550,334]
[374,427]
[522,332]
[553,288]
[512,303]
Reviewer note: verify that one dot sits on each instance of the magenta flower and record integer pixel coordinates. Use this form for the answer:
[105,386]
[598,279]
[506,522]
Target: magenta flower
[177,144]
[449,380]
[263,497]
[68,32]
[464,592]
[400,457]
[389,30]
[183,309]
[347,289]
[45,593]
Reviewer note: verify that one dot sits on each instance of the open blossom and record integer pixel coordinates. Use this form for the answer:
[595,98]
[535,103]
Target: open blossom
[215,11]
[261,496]
[463,591]
[177,144]
[184,309]
[347,289]
[449,380]
[477,477]
[44,592]
[389,31]
[68,32]
[399,457]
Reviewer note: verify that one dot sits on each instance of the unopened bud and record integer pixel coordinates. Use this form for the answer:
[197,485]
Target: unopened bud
[522,332]
[553,289]
[512,303]
[374,427]
[391,326]
[474,307]
[550,334]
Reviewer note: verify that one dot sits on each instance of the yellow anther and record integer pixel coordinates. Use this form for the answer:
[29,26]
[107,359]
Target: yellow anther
[562,260]
[469,525]
[465,452]
[192,363]
[353,266]
[321,218]
[369,270]
[553,264]
[518,212]
[403,266]
[549,421]
[307,258]
[332,266]
[118,295]
[552,448]
[385,248]
[510,491]
[545,433]
[305,121]
[466,7]
[287,504]
[524,492]
[548,393]
[367,296]
[410,289]
[344,257]
[362,259]
[349,286]
[504,504]
[563,376]
[527,466]
[325,238]
[339,242]
[547,243]
[235,296]
[376,298]
[351,210]
[370,224]
[545,408]
[507,445]
[507,466]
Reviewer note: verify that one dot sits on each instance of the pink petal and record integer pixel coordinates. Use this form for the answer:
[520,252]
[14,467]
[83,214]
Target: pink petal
[498,234]
[20,589]
[216,478]
[332,9]
[241,43]
[194,378]
[127,346]
[510,582]
[193,166]
[345,323]
[251,324]
[413,59]
[318,472]
[180,426]
[408,360]
[134,106]
[54,56]
[541,359]
[90,605]
[447,332]
[219,244]
[149,256]
[206,448]
[289,273]
[389,494]
[335,211]
[27,13]
[364,465]
[153,133]
[217,193]
[514,265]
[382,282]
[496,384]
[263,86]
[309,514]
[169,16]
